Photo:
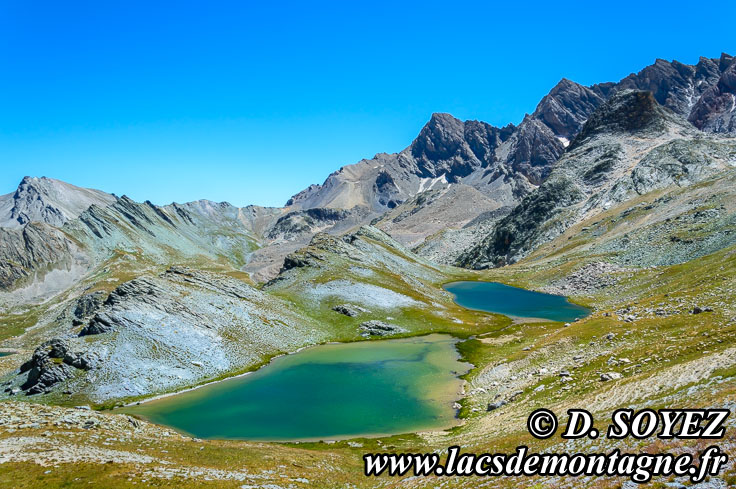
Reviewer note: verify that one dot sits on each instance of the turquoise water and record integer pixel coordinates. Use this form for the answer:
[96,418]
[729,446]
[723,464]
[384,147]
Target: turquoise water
[329,391]
[514,302]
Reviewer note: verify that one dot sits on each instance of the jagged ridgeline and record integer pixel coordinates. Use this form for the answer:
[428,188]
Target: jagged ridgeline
[637,173]
[631,146]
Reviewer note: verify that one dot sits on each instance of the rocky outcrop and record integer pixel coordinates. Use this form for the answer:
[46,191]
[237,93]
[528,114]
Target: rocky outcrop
[144,292]
[630,112]
[516,234]
[52,363]
[350,310]
[379,328]
[566,108]
[162,332]
[322,245]
[534,148]
[676,85]
[86,306]
[306,222]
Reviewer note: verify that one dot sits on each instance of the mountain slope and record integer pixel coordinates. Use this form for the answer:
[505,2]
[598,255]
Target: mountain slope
[163,331]
[629,147]
[435,210]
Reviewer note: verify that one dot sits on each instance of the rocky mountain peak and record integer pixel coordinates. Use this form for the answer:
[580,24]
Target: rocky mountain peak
[715,111]
[506,163]
[448,146]
[676,85]
[566,108]
[47,200]
[725,61]
[440,138]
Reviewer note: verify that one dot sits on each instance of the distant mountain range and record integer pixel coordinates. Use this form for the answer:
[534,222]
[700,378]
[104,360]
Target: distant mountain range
[461,192]
[506,163]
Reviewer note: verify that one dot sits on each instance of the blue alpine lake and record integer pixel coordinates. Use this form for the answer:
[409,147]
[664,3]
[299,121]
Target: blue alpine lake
[514,302]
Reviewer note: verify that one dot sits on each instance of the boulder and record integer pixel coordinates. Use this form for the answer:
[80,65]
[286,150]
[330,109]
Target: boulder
[379,328]
[349,310]
[610,376]
[495,405]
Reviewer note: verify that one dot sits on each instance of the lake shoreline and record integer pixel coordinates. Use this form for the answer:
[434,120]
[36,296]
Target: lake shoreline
[437,396]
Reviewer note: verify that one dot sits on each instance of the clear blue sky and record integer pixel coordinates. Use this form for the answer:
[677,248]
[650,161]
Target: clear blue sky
[250,102]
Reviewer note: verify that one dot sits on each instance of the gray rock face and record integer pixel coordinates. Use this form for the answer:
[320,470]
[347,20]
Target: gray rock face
[534,149]
[446,151]
[101,323]
[675,85]
[715,110]
[448,146]
[567,106]
[50,364]
[34,248]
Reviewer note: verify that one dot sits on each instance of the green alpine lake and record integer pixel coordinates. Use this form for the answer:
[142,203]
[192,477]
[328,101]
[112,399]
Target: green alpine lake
[514,302]
[329,391]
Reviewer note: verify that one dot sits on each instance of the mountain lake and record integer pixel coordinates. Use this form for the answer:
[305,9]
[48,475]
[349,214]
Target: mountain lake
[514,302]
[331,391]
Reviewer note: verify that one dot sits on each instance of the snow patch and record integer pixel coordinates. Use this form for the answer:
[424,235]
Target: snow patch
[429,183]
